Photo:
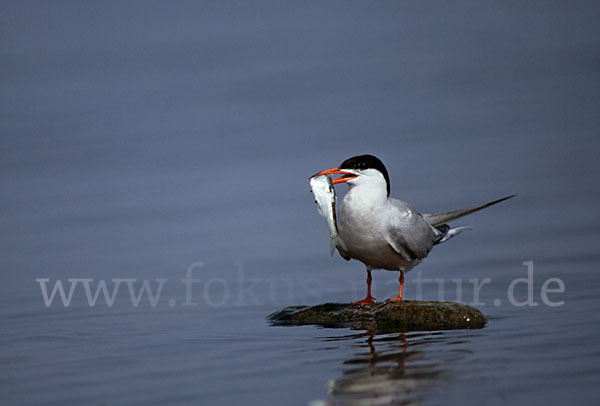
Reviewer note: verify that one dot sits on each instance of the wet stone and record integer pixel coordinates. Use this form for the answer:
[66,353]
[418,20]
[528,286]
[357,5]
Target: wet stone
[407,315]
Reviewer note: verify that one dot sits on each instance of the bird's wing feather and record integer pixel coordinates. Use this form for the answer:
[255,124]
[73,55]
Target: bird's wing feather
[407,232]
[438,219]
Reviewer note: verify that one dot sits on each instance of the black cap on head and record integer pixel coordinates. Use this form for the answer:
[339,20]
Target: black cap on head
[367,162]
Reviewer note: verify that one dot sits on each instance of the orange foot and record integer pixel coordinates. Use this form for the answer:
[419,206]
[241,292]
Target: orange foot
[367,300]
[395,299]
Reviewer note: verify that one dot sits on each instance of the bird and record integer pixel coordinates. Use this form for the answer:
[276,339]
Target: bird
[383,232]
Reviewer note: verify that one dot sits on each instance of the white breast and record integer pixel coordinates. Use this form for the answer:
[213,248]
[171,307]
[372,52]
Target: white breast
[363,221]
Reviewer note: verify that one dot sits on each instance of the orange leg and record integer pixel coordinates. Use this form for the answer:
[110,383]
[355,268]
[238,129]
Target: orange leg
[401,280]
[369,299]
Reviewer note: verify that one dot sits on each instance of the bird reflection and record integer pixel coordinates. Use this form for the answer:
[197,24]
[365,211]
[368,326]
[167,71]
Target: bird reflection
[385,370]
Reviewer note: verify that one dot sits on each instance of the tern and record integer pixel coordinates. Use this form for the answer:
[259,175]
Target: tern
[382,232]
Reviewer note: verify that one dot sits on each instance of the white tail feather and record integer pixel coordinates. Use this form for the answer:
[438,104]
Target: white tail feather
[454,231]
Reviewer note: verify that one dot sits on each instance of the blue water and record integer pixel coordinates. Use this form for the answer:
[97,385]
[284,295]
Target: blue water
[147,141]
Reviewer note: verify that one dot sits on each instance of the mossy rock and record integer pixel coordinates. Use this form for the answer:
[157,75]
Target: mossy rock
[406,315]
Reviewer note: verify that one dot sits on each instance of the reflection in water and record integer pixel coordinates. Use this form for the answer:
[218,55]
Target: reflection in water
[393,369]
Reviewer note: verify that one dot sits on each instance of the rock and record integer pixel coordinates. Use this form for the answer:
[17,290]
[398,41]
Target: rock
[407,315]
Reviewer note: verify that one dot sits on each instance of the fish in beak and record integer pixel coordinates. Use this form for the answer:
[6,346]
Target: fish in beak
[346,175]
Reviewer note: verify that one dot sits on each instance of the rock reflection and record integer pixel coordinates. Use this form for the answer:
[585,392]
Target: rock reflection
[391,369]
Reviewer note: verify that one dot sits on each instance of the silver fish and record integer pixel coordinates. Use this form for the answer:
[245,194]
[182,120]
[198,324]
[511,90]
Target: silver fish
[325,197]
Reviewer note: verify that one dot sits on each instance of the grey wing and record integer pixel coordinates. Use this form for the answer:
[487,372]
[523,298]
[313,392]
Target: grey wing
[438,219]
[408,233]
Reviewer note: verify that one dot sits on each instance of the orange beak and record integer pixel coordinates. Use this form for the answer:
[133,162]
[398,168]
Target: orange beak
[335,171]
